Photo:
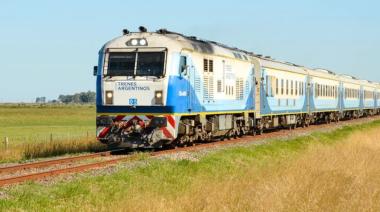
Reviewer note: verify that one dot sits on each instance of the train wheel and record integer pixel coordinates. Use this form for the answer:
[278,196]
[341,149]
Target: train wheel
[252,132]
[328,120]
[260,131]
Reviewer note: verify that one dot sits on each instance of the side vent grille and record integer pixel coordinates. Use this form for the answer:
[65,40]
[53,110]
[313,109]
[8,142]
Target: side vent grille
[211,88]
[205,65]
[208,88]
[197,85]
[239,89]
[211,66]
[219,86]
[205,88]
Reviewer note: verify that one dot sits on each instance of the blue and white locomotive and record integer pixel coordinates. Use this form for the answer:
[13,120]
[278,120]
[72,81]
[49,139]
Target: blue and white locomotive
[158,88]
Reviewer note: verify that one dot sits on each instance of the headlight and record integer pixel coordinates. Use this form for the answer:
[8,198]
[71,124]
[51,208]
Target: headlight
[134,42]
[137,42]
[158,94]
[142,42]
[109,97]
[158,98]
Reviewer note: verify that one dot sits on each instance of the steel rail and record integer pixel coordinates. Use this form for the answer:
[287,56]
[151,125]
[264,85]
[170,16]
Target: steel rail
[41,175]
[51,162]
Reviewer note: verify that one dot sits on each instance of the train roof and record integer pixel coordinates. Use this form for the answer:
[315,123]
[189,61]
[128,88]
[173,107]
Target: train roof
[348,79]
[225,50]
[318,72]
[367,83]
[268,63]
[192,43]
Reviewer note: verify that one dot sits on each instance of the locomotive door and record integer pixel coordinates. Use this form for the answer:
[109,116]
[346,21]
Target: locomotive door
[188,72]
[190,93]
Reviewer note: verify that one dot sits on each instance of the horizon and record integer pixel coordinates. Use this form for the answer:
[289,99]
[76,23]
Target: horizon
[52,48]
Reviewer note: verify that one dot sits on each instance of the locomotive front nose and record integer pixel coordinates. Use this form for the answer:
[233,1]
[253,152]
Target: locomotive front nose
[134,78]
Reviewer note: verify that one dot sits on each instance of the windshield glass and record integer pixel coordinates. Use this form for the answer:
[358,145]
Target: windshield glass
[121,64]
[148,64]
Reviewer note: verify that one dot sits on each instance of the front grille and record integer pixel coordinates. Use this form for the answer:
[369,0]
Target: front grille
[103,121]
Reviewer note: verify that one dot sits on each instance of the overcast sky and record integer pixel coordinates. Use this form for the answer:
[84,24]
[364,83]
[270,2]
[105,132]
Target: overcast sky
[48,48]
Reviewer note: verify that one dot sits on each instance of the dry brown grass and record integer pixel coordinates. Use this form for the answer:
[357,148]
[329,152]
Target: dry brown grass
[49,149]
[344,176]
[331,171]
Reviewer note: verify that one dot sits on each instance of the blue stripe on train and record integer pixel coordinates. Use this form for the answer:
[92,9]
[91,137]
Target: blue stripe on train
[137,109]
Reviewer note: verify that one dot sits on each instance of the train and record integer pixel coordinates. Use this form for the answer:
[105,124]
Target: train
[155,89]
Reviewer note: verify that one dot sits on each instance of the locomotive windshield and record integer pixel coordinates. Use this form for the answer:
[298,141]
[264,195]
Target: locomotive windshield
[136,64]
[121,64]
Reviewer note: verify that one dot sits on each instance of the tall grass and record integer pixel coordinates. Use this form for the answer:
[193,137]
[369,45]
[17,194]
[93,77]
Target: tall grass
[55,148]
[336,171]
[49,148]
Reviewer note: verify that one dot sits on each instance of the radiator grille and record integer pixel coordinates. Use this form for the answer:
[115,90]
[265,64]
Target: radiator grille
[208,88]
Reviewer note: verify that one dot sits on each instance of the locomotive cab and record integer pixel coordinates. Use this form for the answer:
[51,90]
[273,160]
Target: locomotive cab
[132,84]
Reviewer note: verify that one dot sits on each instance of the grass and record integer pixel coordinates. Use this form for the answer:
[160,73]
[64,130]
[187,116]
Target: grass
[47,130]
[35,123]
[335,171]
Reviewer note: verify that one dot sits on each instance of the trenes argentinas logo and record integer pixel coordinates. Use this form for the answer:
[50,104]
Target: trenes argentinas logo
[131,86]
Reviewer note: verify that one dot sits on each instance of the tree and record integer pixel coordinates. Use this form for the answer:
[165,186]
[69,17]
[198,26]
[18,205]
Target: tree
[80,98]
[41,99]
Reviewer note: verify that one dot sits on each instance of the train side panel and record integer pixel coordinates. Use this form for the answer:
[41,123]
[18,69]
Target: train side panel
[351,96]
[283,92]
[325,96]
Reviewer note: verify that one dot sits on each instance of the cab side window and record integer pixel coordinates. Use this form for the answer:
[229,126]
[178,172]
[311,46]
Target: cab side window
[182,64]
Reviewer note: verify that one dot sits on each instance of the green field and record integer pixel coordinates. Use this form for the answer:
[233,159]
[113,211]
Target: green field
[331,171]
[34,130]
[32,123]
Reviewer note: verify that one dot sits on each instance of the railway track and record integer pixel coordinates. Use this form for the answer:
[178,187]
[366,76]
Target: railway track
[49,163]
[80,168]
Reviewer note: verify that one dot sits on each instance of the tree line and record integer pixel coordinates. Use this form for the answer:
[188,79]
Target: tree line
[82,97]
[77,98]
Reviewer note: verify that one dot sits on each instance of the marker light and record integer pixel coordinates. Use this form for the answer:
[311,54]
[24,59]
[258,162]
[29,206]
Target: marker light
[109,95]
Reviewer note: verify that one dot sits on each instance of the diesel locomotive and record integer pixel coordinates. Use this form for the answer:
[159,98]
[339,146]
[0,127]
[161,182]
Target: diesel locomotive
[160,88]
